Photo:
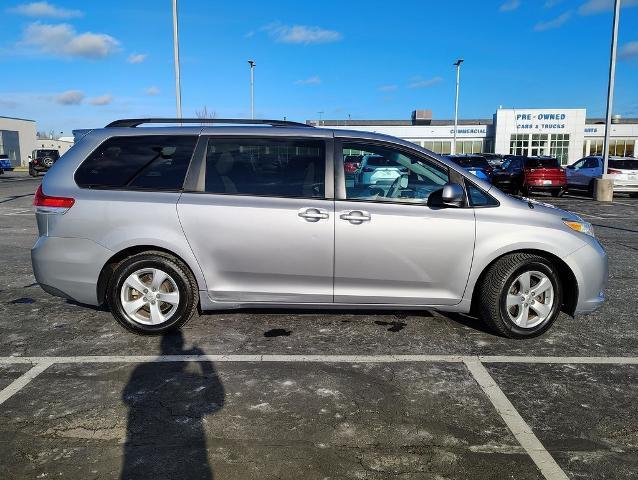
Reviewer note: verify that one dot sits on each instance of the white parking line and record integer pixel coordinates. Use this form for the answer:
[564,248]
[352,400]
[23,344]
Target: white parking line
[20,382]
[520,429]
[321,359]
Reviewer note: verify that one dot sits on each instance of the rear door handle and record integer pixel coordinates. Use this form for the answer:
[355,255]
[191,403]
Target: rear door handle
[355,216]
[313,214]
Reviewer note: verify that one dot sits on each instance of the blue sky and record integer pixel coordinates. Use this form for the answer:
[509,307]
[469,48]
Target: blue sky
[78,64]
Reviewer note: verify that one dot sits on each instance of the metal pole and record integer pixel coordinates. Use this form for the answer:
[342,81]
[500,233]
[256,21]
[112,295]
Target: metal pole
[456,102]
[610,89]
[252,88]
[178,88]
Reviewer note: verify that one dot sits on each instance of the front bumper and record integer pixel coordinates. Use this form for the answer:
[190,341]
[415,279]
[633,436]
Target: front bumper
[69,267]
[590,267]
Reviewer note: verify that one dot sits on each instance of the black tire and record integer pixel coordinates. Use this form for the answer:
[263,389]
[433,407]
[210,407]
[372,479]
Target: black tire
[590,188]
[525,191]
[633,195]
[558,193]
[33,172]
[179,273]
[493,289]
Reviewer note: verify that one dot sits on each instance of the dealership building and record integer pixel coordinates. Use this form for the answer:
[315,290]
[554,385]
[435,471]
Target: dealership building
[17,139]
[566,134]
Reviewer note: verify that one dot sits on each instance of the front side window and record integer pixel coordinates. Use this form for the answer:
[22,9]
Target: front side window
[155,162]
[274,168]
[390,175]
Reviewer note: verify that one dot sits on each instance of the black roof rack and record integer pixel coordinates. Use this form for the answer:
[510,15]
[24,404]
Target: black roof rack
[134,122]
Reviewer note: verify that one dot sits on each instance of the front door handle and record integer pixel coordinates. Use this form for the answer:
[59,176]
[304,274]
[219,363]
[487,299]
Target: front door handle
[313,214]
[355,216]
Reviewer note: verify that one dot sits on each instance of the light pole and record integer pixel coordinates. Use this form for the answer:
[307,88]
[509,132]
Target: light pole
[320,117]
[178,88]
[610,88]
[252,88]
[456,102]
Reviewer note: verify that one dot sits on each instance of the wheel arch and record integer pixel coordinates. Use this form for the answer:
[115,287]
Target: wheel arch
[565,273]
[109,267]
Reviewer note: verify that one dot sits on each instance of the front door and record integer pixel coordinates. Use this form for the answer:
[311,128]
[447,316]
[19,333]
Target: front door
[390,246]
[260,223]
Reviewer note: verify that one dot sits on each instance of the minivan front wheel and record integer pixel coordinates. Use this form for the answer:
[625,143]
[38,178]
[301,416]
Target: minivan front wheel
[520,295]
[152,293]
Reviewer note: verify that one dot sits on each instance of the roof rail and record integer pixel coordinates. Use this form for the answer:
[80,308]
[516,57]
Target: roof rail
[134,122]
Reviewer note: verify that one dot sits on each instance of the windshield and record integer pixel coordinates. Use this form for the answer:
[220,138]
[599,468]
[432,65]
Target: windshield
[541,163]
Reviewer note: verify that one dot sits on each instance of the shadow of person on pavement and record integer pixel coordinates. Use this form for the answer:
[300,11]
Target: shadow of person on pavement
[167,402]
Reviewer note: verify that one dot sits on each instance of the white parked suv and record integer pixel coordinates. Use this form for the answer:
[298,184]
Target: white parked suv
[623,171]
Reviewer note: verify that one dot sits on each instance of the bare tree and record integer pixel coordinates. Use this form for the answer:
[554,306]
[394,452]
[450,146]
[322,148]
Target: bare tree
[205,113]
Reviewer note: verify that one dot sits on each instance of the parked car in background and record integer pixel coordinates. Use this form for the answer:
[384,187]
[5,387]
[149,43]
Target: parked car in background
[494,159]
[475,164]
[42,160]
[376,169]
[524,175]
[5,163]
[623,170]
[157,223]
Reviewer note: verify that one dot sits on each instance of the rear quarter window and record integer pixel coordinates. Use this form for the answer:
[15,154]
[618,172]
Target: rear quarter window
[153,162]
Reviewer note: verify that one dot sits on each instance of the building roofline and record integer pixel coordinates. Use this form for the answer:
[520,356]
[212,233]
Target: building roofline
[16,118]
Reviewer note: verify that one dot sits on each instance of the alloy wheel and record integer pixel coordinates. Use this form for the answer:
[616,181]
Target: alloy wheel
[530,299]
[149,296]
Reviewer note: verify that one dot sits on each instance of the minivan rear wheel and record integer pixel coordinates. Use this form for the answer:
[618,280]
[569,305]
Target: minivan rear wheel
[520,295]
[152,293]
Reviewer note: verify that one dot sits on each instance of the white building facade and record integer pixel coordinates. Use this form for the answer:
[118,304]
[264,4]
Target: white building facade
[17,139]
[566,134]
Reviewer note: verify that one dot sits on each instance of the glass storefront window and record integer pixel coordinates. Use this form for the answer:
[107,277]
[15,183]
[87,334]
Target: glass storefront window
[519,144]
[539,144]
[559,147]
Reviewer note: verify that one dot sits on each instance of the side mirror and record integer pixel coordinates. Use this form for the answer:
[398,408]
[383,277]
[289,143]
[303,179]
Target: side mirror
[570,167]
[453,195]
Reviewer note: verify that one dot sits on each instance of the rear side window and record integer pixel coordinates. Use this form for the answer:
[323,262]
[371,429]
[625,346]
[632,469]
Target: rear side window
[623,164]
[275,168]
[155,162]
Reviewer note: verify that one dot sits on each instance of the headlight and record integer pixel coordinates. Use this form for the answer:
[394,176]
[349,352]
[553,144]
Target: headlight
[580,226]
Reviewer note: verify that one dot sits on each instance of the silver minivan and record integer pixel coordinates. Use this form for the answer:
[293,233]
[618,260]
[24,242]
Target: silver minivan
[159,221]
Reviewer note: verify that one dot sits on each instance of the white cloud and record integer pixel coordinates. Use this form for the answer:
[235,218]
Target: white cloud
[553,23]
[418,83]
[629,50]
[70,97]
[152,90]
[510,5]
[592,7]
[304,34]
[62,40]
[388,88]
[136,57]
[314,80]
[44,9]
[101,100]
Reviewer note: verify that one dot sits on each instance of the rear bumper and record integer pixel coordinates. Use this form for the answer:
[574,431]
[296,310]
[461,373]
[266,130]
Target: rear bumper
[590,267]
[625,186]
[69,267]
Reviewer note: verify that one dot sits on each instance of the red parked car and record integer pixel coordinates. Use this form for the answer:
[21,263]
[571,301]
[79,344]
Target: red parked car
[526,174]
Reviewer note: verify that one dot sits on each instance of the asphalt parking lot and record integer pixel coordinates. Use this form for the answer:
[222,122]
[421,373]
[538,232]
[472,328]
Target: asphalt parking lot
[315,395]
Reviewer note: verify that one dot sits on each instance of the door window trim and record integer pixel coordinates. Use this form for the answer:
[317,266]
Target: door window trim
[196,176]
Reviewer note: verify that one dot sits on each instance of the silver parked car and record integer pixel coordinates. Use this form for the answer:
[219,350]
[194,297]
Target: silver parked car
[157,222]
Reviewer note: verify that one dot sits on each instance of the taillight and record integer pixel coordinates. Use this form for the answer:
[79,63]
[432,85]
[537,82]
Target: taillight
[47,204]
[350,167]
[613,171]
